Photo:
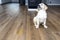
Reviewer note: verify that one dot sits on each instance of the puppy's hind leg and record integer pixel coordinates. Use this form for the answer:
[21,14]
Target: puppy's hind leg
[44,24]
[37,24]
[34,21]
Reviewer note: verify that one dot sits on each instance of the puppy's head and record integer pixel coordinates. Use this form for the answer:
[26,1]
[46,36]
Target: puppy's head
[42,6]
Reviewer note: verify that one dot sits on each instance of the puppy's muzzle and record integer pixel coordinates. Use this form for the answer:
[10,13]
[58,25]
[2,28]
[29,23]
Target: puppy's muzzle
[39,6]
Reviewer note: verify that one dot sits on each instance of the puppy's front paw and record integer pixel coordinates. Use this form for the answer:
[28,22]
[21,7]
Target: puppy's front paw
[37,26]
[45,26]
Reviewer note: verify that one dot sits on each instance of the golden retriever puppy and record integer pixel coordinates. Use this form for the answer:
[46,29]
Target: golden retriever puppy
[41,16]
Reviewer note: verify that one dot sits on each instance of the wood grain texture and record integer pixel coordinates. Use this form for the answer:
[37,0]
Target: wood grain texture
[16,23]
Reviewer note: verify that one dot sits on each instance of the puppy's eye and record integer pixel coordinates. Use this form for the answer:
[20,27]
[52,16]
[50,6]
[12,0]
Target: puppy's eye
[41,3]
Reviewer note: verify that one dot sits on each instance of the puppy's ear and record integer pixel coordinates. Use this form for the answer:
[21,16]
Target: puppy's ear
[45,7]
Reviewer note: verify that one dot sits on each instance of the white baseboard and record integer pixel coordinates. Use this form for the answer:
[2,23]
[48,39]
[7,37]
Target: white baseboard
[32,9]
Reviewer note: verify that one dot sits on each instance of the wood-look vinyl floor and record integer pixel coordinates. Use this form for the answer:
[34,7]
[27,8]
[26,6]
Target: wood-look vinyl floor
[16,23]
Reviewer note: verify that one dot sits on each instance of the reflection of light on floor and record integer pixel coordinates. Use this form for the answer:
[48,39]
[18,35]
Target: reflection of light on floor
[20,31]
[12,9]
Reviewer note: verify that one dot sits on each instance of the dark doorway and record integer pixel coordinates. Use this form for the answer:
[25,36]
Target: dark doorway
[33,3]
[22,2]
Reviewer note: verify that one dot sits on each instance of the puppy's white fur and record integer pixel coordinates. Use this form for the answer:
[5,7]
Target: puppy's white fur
[41,16]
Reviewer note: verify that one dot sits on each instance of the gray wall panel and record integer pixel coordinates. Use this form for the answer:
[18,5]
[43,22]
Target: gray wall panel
[53,2]
[15,0]
[5,1]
